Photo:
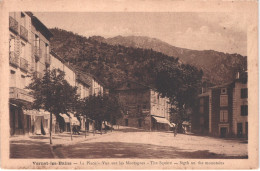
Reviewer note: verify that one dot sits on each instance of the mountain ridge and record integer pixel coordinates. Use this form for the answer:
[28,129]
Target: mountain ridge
[213,63]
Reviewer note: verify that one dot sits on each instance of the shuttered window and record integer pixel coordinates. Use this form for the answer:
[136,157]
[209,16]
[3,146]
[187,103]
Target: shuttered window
[223,100]
[223,116]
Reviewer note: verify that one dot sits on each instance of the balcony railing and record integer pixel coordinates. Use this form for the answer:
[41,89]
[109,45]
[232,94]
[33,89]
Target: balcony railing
[13,24]
[24,64]
[20,95]
[23,33]
[14,58]
[47,59]
[37,53]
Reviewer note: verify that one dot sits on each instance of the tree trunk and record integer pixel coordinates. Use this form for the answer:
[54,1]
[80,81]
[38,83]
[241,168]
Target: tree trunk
[50,128]
[85,129]
[101,128]
[111,121]
[94,128]
[70,130]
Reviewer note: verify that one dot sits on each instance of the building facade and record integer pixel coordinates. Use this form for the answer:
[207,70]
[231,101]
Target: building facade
[28,54]
[223,110]
[143,107]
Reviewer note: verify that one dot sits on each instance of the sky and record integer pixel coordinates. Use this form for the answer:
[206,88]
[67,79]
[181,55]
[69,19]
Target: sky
[224,32]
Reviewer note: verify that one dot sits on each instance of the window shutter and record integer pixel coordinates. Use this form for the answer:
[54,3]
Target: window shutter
[225,116]
[221,116]
[17,46]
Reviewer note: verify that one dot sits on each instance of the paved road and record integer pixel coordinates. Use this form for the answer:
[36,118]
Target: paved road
[130,143]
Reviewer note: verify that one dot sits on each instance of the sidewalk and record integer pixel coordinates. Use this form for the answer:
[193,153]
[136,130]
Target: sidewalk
[38,146]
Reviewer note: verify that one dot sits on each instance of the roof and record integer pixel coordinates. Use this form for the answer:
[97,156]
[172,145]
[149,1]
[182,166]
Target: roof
[83,79]
[40,25]
[131,85]
[62,60]
[222,85]
[204,94]
[81,76]
[79,72]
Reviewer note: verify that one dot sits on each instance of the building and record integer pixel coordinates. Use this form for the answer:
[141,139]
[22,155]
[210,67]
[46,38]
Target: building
[223,110]
[65,121]
[28,54]
[88,85]
[143,107]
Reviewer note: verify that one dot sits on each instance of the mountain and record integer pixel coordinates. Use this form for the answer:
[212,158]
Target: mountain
[218,67]
[114,64]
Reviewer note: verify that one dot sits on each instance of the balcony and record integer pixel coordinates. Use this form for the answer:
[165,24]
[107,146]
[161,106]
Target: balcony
[13,25]
[14,58]
[24,64]
[48,59]
[37,53]
[20,95]
[24,33]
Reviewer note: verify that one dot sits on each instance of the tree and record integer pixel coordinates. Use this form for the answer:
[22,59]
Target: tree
[181,84]
[102,108]
[54,94]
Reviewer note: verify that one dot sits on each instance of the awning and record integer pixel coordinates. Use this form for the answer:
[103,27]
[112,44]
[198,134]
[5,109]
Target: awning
[40,112]
[74,120]
[163,120]
[65,117]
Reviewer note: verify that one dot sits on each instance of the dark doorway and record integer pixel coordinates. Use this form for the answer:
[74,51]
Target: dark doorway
[126,122]
[223,132]
[42,128]
[140,122]
[239,129]
[87,125]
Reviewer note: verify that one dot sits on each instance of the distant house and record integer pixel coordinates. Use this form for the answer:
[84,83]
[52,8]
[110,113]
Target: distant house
[143,107]
[223,110]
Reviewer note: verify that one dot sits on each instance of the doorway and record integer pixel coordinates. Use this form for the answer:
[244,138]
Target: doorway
[223,132]
[126,122]
[239,129]
[140,122]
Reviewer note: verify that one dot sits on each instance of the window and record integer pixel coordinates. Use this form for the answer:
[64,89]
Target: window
[11,44]
[47,48]
[223,90]
[246,129]
[244,110]
[223,116]
[223,100]
[37,41]
[23,19]
[244,93]
[22,81]
[12,79]
[22,55]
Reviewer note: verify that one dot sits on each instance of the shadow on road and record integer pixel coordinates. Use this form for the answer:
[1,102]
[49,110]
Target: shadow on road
[29,149]
[132,150]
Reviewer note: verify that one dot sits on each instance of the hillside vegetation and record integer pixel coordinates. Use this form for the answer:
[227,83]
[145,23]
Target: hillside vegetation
[218,67]
[114,64]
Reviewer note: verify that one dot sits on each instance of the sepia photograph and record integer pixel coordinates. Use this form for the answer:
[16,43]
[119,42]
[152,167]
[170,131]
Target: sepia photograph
[129,85]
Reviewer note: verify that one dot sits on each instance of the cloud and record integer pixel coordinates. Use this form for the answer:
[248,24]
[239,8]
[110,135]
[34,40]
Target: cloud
[111,31]
[204,39]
